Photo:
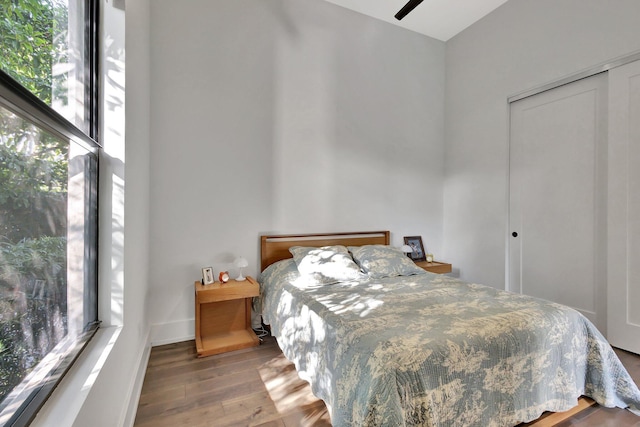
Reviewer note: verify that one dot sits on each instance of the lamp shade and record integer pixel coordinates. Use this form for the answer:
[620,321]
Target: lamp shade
[241,262]
[406,249]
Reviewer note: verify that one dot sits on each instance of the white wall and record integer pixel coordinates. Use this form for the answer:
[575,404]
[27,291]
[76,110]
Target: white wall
[520,46]
[283,116]
[103,386]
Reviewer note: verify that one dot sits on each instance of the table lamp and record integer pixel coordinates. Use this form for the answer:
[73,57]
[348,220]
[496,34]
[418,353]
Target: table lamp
[241,263]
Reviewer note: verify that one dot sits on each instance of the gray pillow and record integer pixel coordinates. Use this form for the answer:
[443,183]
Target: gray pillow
[380,261]
[326,265]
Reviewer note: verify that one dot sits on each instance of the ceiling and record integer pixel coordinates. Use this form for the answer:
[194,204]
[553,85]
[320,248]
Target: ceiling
[440,19]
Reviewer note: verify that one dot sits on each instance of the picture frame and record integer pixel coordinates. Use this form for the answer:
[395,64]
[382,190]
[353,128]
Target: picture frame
[207,276]
[415,243]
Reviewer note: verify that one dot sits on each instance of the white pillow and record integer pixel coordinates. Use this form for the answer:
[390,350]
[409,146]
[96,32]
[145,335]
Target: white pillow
[326,265]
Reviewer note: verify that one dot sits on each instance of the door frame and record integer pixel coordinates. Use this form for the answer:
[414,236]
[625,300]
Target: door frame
[592,71]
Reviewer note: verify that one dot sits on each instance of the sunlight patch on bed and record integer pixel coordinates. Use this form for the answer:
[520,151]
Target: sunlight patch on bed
[305,322]
[360,305]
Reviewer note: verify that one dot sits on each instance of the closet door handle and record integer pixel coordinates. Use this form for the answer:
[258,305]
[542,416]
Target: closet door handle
[514,234]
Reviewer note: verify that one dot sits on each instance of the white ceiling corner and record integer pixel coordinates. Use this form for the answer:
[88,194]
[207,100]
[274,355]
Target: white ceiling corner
[440,19]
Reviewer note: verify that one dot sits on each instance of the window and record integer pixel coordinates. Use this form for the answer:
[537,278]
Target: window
[48,196]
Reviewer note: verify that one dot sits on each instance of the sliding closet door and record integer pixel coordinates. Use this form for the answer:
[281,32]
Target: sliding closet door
[624,208]
[557,218]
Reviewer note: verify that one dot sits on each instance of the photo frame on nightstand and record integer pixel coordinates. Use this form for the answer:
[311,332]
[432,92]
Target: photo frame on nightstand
[207,276]
[415,243]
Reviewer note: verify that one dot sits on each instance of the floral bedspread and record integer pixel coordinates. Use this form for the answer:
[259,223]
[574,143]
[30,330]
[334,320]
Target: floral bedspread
[431,350]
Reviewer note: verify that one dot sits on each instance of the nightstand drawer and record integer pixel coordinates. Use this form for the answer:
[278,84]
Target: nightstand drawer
[435,266]
[227,291]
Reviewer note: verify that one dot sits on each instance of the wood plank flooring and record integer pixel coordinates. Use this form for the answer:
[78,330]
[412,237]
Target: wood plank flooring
[260,387]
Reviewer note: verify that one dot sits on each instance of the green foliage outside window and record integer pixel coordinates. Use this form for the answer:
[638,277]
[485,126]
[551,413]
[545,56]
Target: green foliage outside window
[33,193]
[33,37]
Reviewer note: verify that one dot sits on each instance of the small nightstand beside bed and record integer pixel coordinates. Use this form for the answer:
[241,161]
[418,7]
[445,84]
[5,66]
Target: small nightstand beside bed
[401,346]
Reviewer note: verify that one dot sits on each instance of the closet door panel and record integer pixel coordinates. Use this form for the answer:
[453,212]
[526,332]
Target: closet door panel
[557,196]
[623,295]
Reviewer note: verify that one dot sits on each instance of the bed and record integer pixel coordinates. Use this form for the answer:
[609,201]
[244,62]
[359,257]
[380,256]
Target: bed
[392,345]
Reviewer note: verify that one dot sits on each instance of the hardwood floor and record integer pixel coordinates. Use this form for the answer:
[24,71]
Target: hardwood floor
[259,387]
[252,387]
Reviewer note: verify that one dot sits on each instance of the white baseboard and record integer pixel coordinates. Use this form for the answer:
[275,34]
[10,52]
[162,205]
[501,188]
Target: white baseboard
[172,332]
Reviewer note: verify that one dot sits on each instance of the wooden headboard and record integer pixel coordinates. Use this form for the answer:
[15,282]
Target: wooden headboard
[276,247]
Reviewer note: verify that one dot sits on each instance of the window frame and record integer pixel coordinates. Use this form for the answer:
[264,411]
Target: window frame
[19,100]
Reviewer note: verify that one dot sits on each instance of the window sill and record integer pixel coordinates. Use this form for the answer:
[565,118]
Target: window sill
[65,403]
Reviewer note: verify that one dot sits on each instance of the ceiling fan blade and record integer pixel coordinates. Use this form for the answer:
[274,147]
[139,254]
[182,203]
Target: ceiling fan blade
[411,4]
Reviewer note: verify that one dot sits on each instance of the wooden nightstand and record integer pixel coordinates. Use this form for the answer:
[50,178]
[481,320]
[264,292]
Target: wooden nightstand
[223,316]
[435,266]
